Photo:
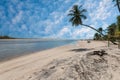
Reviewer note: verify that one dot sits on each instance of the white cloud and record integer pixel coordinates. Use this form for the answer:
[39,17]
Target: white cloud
[49,19]
[49,26]
[105,25]
[89,36]
[67,1]
[79,33]
[90,4]
[23,27]
[103,11]
[17,18]
[57,16]
[11,9]
[64,31]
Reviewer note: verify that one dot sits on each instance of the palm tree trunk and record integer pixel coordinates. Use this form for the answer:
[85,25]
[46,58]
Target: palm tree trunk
[93,29]
[97,31]
[117,1]
[119,44]
[108,40]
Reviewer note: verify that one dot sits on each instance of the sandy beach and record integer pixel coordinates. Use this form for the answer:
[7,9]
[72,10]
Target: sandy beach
[69,62]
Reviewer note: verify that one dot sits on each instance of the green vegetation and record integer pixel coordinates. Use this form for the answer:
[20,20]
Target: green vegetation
[112,33]
[6,37]
[98,36]
[118,23]
[76,18]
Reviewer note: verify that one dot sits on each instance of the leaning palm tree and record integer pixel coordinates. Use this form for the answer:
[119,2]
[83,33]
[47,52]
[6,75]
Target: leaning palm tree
[77,14]
[117,4]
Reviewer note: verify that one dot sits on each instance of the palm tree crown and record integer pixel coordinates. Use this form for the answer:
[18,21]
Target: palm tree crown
[76,14]
[100,29]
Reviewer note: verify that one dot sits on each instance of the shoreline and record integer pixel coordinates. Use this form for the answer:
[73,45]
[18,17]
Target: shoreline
[36,52]
[27,54]
[24,55]
[4,59]
[23,67]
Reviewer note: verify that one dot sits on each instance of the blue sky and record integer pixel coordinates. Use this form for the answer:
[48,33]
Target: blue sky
[48,18]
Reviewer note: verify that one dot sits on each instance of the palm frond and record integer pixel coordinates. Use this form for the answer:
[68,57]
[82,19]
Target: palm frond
[83,16]
[76,14]
[80,6]
[71,19]
[113,0]
[115,5]
[71,14]
[83,10]
[71,10]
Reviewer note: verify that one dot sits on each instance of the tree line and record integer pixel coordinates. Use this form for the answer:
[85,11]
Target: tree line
[112,32]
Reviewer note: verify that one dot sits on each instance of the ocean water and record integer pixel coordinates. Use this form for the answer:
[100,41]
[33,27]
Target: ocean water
[10,49]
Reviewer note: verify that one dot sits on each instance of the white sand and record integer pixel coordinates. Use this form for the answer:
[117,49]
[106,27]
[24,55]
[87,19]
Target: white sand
[55,64]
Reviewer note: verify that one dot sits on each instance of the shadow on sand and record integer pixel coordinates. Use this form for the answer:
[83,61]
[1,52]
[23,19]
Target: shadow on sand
[80,49]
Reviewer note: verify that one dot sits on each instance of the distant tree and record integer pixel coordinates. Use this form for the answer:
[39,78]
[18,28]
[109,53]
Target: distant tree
[112,29]
[118,23]
[115,29]
[118,31]
[97,36]
[100,29]
[77,14]
[6,37]
[111,32]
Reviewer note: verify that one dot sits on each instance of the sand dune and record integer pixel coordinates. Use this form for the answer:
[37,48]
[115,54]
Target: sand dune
[70,62]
